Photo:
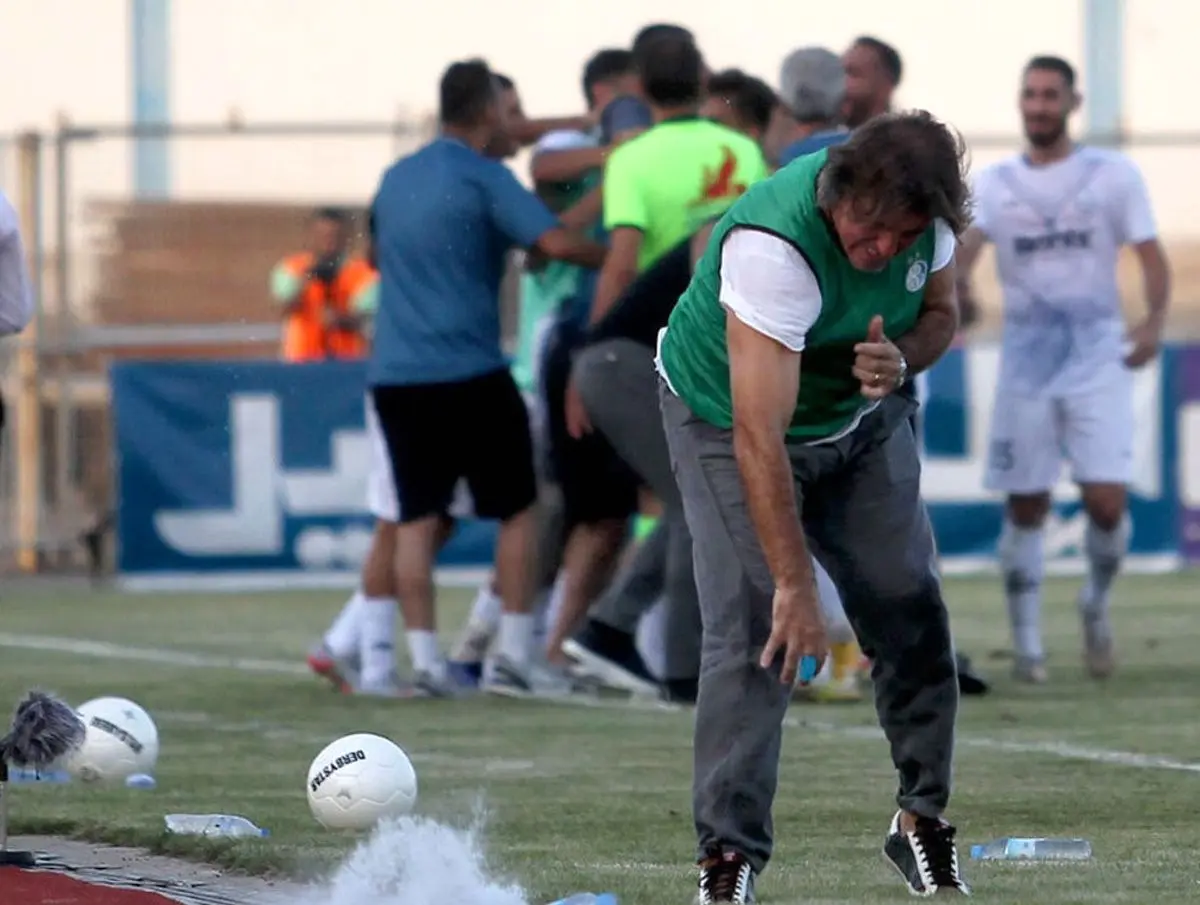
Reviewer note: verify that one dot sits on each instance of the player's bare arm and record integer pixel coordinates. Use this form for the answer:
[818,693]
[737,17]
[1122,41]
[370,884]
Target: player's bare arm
[565,165]
[526,131]
[937,323]
[1156,286]
[562,244]
[765,379]
[584,212]
[969,248]
[620,269]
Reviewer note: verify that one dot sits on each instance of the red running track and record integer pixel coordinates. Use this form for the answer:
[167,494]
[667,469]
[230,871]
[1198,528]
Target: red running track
[34,887]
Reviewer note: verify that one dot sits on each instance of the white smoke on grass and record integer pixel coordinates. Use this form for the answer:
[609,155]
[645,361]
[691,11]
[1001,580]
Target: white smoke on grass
[417,861]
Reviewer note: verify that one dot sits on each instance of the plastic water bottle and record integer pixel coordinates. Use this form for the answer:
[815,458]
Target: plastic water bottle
[24,775]
[588,898]
[140,781]
[1015,848]
[212,825]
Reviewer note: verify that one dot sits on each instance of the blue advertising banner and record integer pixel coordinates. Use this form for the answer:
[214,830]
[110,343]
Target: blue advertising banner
[1188,426]
[255,473]
[252,472]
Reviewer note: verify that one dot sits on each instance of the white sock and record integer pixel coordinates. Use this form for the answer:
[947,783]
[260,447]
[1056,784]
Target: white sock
[424,653]
[837,626]
[476,636]
[377,642]
[515,642]
[1022,560]
[554,602]
[1105,550]
[342,636]
[485,611]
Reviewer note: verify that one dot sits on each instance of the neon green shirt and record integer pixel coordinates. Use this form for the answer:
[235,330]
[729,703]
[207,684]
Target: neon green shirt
[675,177]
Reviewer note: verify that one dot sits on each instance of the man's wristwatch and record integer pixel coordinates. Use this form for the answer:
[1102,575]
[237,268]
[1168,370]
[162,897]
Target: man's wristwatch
[902,377]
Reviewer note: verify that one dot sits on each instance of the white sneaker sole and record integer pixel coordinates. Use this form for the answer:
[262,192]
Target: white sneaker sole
[507,691]
[606,671]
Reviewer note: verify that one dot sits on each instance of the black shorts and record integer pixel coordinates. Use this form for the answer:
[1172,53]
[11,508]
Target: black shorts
[595,482]
[475,429]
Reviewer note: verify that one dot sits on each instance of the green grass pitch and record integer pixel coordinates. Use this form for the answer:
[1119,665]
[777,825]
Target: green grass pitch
[597,798]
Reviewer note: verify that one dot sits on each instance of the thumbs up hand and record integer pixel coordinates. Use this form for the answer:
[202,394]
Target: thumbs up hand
[878,364]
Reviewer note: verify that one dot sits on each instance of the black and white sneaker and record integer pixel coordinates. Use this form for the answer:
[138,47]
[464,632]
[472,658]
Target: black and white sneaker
[926,858]
[725,877]
[612,657]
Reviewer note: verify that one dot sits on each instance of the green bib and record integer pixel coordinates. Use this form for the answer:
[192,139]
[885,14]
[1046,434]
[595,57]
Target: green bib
[693,353]
[544,293]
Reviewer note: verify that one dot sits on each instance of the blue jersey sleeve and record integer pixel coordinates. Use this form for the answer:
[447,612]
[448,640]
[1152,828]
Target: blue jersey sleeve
[518,214]
[622,115]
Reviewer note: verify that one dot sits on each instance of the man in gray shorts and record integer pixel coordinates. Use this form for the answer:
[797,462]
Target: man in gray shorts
[786,436]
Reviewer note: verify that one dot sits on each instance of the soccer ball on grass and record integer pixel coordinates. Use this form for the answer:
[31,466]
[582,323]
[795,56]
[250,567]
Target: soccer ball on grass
[121,740]
[359,780]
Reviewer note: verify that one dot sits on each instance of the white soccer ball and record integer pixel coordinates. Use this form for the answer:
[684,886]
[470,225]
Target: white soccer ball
[359,780]
[121,740]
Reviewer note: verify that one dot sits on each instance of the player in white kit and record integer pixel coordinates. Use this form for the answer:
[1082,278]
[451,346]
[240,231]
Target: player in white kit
[1058,216]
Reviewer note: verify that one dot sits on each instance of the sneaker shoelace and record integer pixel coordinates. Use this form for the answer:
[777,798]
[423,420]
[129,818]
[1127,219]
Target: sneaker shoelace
[937,854]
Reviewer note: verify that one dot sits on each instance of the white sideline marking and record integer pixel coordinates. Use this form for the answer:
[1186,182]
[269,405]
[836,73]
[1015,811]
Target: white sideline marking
[107,651]
[1060,749]
[1064,750]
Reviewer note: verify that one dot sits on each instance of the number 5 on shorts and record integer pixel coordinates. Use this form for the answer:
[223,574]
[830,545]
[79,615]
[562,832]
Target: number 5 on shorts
[1001,455]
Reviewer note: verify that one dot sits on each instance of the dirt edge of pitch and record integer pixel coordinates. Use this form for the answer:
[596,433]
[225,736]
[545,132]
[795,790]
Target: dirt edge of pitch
[187,882]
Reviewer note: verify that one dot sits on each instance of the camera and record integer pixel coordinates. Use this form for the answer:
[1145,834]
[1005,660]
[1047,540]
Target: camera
[325,269]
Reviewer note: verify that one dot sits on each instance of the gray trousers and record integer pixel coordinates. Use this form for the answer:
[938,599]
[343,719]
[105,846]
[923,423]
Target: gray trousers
[619,387]
[866,524]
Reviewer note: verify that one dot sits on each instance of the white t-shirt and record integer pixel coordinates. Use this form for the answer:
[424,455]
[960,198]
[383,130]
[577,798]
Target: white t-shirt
[16,298]
[1058,231]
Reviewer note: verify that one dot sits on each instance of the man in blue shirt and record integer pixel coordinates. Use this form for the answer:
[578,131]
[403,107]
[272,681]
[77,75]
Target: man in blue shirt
[812,91]
[443,221]
[582,488]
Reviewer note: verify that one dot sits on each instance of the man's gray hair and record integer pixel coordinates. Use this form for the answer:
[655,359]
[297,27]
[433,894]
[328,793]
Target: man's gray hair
[812,84]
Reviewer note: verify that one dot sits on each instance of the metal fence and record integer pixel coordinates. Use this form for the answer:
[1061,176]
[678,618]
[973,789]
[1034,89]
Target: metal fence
[119,276]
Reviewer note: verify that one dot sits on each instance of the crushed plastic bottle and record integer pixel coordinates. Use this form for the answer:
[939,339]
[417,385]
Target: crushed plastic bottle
[140,781]
[1016,848]
[588,898]
[23,775]
[212,825]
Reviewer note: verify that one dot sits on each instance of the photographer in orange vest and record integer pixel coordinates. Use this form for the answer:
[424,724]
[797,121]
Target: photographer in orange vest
[323,292]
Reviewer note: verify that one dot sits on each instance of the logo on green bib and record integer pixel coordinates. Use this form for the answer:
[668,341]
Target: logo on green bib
[918,272]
